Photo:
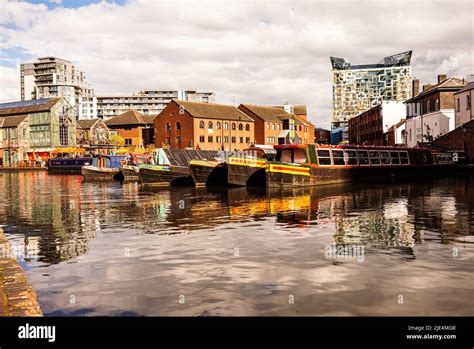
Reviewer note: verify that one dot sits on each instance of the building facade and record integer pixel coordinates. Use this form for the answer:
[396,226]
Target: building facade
[322,136]
[92,131]
[55,77]
[279,124]
[463,105]
[35,126]
[430,113]
[135,128]
[147,102]
[184,124]
[369,127]
[357,88]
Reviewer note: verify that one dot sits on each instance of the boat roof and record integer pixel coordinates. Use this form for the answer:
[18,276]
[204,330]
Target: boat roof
[345,146]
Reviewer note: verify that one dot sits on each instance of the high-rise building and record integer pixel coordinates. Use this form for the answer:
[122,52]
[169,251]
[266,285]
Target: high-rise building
[56,77]
[357,88]
[147,102]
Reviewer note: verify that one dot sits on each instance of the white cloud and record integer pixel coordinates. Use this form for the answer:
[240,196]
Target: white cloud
[282,48]
[9,84]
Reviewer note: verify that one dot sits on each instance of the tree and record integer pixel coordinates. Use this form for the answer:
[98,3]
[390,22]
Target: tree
[117,140]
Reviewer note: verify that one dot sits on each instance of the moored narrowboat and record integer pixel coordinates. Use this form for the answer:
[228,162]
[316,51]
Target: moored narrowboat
[104,167]
[68,165]
[130,167]
[208,172]
[305,165]
[247,168]
[171,166]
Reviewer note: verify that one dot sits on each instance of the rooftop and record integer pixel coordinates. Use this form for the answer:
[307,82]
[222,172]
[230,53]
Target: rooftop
[25,107]
[397,60]
[213,111]
[449,84]
[12,121]
[467,87]
[130,117]
[266,113]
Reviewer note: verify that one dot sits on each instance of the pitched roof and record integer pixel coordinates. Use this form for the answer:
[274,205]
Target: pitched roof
[130,117]
[450,84]
[273,114]
[12,121]
[25,107]
[468,87]
[213,111]
[149,118]
[86,124]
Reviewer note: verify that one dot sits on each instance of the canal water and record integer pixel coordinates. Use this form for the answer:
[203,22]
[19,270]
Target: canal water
[111,249]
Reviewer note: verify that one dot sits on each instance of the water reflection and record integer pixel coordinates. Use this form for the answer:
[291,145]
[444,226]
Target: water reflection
[128,241]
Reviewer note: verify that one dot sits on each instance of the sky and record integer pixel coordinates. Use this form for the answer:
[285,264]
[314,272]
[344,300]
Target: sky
[246,51]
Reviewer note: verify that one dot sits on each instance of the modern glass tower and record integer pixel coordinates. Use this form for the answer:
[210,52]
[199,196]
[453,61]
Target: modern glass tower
[357,88]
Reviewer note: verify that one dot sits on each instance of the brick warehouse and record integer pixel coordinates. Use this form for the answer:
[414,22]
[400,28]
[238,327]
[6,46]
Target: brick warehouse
[184,124]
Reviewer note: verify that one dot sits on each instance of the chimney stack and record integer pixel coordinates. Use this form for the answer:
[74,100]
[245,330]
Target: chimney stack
[441,77]
[415,87]
[426,87]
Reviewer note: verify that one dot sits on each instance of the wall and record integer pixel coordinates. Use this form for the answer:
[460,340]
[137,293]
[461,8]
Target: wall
[438,122]
[459,139]
[463,115]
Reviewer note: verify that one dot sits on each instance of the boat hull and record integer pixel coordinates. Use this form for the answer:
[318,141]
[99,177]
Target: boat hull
[164,175]
[93,173]
[246,171]
[68,166]
[208,172]
[281,175]
[130,173]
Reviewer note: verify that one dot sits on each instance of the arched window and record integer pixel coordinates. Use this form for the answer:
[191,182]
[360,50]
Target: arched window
[201,124]
[168,126]
[209,126]
[233,126]
[226,125]
[172,114]
[268,126]
[247,127]
[178,125]
[218,125]
[273,126]
[241,127]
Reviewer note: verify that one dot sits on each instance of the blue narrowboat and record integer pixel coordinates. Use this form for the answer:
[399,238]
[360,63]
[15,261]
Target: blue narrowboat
[104,167]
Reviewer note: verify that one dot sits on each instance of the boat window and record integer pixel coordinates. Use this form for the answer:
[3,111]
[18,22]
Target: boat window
[363,157]
[338,157]
[424,158]
[351,157]
[285,155]
[385,157]
[299,156]
[374,157]
[395,158]
[404,158]
[324,157]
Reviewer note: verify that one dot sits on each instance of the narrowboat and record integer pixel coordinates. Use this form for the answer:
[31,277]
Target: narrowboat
[104,167]
[247,168]
[68,164]
[171,166]
[208,172]
[306,165]
[130,167]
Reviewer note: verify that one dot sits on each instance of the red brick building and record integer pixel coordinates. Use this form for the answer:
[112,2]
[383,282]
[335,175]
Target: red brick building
[322,136]
[460,139]
[206,126]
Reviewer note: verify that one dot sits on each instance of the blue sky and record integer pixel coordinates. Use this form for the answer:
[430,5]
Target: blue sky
[72,3]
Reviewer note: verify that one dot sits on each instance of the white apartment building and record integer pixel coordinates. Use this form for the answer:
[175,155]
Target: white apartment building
[430,113]
[56,77]
[147,101]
